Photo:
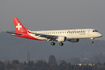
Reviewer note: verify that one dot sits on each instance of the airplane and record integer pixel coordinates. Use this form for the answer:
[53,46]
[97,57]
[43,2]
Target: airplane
[71,35]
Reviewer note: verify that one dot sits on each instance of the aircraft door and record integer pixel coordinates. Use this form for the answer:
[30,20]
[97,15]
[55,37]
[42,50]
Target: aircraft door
[88,32]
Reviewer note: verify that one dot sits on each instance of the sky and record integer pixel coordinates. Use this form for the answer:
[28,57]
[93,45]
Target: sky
[53,14]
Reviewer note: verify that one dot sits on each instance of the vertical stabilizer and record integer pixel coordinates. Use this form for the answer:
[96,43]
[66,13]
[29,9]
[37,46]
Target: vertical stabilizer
[18,26]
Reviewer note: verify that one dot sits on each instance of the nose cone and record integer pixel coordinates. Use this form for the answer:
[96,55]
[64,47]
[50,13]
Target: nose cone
[100,35]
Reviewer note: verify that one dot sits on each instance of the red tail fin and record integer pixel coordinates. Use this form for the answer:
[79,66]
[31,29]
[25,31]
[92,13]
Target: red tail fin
[18,26]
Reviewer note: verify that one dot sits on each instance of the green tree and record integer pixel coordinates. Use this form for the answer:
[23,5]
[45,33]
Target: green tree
[52,59]
[15,62]
[98,63]
[104,63]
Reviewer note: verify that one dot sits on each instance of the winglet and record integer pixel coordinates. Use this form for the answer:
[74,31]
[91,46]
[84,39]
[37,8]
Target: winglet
[18,26]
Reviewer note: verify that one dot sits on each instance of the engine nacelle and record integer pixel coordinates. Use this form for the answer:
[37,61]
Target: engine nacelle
[73,40]
[61,39]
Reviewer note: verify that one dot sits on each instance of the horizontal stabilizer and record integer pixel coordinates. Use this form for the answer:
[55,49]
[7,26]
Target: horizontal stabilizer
[13,33]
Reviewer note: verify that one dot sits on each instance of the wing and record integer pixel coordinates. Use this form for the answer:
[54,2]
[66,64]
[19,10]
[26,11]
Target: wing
[49,37]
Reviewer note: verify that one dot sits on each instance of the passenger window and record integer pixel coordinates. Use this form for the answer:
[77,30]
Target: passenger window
[77,31]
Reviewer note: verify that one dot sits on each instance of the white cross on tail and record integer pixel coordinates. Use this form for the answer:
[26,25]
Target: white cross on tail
[18,26]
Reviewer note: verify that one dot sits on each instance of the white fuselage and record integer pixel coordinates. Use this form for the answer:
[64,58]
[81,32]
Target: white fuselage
[71,33]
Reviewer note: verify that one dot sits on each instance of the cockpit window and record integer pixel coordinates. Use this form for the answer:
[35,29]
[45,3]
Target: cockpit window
[95,30]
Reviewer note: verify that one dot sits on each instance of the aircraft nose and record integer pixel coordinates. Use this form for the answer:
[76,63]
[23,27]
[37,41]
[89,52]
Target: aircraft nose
[100,35]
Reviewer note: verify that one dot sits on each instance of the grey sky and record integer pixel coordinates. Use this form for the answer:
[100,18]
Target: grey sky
[53,14]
